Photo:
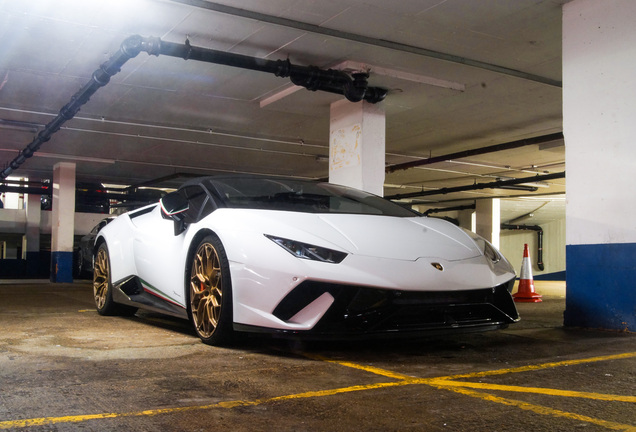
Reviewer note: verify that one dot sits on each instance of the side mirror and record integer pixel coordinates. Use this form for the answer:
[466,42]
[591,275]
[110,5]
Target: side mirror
[173,206]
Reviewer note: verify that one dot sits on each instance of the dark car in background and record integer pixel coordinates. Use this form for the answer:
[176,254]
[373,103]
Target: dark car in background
[84,266]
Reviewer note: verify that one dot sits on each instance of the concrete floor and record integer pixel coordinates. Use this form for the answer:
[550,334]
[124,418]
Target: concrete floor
[65,368]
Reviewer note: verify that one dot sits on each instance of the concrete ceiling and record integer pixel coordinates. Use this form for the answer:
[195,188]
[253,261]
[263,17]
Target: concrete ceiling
[498,82]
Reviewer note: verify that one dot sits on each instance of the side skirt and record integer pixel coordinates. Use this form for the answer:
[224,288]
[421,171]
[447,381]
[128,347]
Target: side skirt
[134,292]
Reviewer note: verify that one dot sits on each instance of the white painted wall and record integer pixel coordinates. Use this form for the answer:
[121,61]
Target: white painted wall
[599,105]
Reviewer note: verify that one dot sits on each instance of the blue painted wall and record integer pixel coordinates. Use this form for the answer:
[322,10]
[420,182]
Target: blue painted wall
[601,286]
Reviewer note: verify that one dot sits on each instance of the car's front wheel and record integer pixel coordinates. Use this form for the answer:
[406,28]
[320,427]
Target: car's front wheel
[103,288]
[210,292]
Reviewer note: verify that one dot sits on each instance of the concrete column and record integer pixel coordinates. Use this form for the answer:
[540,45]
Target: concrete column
[600,132]
[31,243]
[63,222]
[488,219]
[357,145]
[467,220]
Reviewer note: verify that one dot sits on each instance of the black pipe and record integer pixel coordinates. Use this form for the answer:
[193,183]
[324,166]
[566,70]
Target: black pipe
[491,185]
[479,151]
[354,88]
[539,231]
[447,209]
[129,49]
[30,190]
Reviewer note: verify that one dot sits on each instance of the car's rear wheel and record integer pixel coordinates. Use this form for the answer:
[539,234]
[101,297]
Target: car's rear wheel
[210,292]
[103,288]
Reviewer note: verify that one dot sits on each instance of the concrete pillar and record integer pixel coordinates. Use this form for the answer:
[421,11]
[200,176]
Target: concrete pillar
[467,220]
[488,219]
[31,243]
[357,145]
[63,222]
[600,131]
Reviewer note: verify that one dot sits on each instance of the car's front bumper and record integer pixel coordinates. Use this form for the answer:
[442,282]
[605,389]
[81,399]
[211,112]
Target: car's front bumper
[359,311]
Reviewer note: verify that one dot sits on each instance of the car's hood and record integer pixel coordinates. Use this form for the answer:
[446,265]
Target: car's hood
[402,238]
[369,235]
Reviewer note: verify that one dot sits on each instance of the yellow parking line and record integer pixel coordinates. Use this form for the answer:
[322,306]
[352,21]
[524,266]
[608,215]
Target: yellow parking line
[13,424]
[449,383]
[528,368]
[534,390]
[538,409]
[446,383]
[551,365]
[322,393]
[371,369]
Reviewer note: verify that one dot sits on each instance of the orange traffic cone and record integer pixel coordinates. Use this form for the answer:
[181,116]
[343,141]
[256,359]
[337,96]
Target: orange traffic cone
[526,292]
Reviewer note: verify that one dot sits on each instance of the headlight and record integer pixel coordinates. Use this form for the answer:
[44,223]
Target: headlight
[491,252]
[308,251]
[488,250]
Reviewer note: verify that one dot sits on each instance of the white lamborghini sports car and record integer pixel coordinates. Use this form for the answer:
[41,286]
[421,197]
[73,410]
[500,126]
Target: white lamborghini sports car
[298,258]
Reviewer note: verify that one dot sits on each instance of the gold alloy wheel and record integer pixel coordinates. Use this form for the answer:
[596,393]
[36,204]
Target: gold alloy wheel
[101,278]
[206,290]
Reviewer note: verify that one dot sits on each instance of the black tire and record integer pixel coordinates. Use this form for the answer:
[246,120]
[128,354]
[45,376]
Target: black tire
[103,288]
[210,293]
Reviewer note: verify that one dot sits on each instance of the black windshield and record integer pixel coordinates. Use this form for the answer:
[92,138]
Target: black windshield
[300,196]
